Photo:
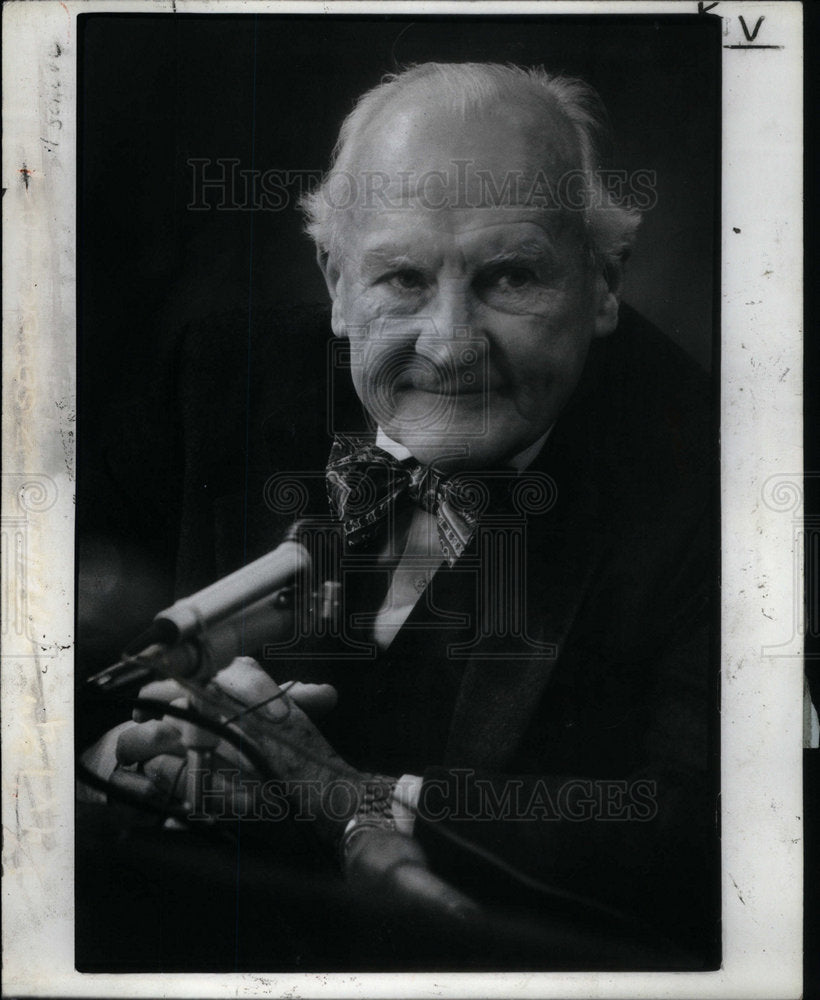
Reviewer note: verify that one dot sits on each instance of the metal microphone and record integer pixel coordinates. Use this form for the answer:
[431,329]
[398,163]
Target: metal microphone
[192,615]
[200,634]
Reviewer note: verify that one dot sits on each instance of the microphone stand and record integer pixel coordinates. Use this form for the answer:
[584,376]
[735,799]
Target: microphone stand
[202,634]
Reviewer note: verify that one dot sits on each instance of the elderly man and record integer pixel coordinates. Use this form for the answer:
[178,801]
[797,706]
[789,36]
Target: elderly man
[520,691]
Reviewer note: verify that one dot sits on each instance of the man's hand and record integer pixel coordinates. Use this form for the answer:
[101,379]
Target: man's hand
[158,747]
[298,759]
[299,762]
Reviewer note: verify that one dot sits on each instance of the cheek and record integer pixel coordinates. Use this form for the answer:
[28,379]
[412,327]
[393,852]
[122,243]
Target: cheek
[358,301]
[536,358]
[368,323]
[363,318]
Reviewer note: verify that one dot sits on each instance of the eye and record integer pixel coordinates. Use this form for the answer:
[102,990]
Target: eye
[516,288]
[407,280]
[512,278]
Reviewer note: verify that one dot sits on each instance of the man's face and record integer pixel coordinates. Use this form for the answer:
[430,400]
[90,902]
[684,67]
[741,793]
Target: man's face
[469,316]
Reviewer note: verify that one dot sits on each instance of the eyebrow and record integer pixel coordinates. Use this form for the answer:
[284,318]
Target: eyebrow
[388,257]
[393,257]
[521,253]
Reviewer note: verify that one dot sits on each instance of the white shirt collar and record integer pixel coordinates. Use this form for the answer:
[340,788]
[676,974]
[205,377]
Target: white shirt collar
[392,447]
[518,462]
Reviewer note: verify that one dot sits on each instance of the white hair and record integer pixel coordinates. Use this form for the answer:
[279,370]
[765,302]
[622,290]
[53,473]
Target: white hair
[468,87]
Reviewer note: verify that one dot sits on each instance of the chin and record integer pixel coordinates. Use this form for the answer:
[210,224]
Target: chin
[468,435]
[453,447]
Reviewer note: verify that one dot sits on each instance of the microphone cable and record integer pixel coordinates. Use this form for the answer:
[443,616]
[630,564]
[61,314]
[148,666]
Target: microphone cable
[246,747]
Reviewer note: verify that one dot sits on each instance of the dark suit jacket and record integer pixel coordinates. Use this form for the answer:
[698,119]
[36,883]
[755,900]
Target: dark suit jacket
[590,764]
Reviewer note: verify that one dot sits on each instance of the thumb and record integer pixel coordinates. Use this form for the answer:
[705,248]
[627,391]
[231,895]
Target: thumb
[315,700]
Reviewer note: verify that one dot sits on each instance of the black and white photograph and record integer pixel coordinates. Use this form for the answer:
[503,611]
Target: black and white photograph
[355,315]
[404,530]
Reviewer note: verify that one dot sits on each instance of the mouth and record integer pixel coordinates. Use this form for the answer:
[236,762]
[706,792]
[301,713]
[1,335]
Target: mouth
[449,389]
[446,392]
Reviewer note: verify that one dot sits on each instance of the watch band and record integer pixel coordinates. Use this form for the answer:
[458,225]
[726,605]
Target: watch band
[374,812]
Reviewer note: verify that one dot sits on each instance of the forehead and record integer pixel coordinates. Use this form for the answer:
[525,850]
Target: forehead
[419,130]
[480,235]
[492,175]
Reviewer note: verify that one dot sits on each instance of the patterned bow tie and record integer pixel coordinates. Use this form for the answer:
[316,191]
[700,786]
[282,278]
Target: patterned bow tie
[364,482]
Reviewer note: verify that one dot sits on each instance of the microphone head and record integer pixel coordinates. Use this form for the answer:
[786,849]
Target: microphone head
[192,615]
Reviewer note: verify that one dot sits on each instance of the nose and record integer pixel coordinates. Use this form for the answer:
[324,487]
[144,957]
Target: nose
[449,321]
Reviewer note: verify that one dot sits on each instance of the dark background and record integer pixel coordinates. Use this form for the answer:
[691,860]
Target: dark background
[271,91]
[156,90]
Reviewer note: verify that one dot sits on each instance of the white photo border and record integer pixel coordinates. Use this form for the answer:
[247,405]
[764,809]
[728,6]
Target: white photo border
[761,463]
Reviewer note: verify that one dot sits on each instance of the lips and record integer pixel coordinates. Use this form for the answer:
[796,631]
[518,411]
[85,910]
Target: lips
[465,384]
[444,390]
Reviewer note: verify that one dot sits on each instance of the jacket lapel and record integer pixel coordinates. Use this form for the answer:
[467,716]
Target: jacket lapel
[499,696]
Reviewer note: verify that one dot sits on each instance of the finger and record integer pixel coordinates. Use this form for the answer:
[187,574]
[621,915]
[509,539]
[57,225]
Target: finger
[227,756]
[190,734]
[166,772]
[315,700]
[165,690]
[146,740]
[230,795]
[169,775]
[246,681]
[137,787]
[101,758]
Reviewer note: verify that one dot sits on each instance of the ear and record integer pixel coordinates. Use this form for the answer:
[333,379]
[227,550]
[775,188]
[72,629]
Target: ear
[607,301]
[332,274]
